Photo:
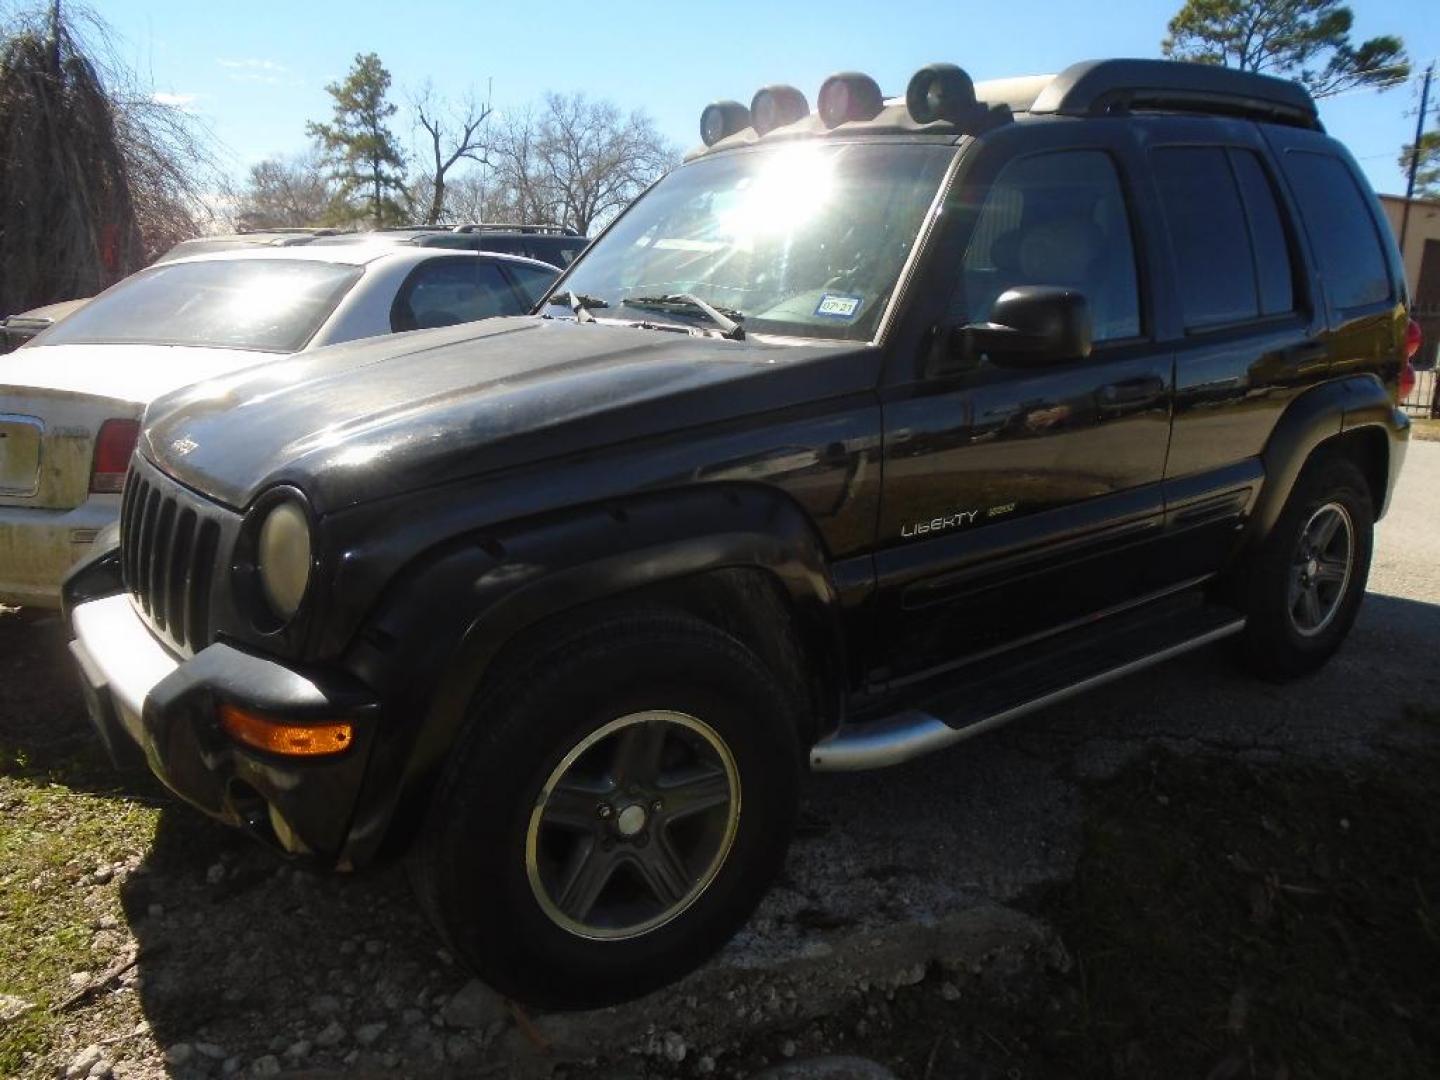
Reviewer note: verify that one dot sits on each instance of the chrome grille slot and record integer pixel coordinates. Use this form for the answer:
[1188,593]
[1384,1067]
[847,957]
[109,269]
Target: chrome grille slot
[170,539]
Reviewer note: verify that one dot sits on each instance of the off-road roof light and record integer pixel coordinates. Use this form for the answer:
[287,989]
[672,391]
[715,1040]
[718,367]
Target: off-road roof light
[775,106]
[721,119]
[940,92]
[849,95]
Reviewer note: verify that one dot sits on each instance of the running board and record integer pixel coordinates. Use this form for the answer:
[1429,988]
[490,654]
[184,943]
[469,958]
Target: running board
[909,734]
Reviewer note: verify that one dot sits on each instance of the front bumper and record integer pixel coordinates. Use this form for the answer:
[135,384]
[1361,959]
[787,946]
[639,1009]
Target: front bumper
[143,698]
[37,547]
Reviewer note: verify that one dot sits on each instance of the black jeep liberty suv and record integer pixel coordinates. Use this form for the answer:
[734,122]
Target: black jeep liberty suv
[863,431]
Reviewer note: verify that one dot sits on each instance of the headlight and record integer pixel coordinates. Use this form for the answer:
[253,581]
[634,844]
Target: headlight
[284,557]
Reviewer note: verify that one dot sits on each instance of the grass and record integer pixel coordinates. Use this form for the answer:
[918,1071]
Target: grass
[55,829]
[1425,430]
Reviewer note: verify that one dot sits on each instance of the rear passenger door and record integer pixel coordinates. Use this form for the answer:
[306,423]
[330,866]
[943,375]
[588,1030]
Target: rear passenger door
[1241,312]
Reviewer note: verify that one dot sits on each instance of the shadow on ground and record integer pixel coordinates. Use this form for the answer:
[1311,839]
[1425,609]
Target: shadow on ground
[252,957]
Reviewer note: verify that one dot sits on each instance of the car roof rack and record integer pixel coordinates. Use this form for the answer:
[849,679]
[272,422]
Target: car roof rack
[1106,87]
[502,226]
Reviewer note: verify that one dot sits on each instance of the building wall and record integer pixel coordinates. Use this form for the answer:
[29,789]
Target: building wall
[1424,225]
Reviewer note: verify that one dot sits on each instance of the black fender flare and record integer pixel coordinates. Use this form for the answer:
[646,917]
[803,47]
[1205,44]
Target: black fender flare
[1315,417]
[442,623]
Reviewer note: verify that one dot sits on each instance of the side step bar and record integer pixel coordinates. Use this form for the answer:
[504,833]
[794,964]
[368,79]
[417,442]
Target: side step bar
[909,734]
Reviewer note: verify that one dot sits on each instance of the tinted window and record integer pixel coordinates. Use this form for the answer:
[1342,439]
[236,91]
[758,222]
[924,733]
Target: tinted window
[446,292]
[531,280]
[1209,235]
[1267,234]
[1338,222]
[1054,219]
[270,305]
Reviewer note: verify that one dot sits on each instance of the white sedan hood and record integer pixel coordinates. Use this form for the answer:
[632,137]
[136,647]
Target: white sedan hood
[137,373]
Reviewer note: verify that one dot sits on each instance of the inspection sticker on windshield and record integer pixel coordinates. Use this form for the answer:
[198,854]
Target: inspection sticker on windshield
[838,306]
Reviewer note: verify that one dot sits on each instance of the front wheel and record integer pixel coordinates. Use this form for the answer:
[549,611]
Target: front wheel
[613,813]
[1307,580]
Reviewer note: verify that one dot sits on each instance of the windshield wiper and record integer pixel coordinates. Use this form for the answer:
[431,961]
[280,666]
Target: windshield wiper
[579,303]
[724,318]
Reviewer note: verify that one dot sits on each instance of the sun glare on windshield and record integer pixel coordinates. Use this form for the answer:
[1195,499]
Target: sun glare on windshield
[792,187]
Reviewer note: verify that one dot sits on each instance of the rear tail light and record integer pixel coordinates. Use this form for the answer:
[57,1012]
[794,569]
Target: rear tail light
[1412,340]
[1407,368]
[113,447]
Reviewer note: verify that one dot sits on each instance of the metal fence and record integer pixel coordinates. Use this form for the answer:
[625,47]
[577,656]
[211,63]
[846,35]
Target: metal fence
[1424,400]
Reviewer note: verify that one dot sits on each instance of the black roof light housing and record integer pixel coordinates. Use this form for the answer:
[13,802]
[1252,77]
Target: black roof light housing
[721,119]
[775,106]
[941,92]
[849,95]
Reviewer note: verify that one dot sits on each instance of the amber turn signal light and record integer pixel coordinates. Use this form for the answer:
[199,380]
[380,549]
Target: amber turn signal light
[279,737]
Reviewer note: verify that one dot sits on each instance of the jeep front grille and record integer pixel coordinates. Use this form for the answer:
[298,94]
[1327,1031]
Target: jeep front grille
[169,539]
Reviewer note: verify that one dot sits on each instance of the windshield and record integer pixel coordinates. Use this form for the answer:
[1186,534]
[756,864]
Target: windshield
[805,240]
[269,305]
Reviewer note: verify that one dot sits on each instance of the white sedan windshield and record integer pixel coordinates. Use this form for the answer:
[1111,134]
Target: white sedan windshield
[803,239]
[269,305]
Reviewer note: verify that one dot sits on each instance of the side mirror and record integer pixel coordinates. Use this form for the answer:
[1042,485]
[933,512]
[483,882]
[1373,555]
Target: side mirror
[1029,325]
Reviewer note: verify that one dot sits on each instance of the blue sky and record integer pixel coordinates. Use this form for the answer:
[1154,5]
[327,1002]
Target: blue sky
[256,72]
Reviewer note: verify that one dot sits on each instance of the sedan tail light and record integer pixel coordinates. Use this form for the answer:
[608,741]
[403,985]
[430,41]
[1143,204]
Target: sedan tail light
[113,447]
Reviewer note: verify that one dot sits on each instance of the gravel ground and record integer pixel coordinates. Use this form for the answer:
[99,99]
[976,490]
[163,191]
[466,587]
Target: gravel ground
[242,963]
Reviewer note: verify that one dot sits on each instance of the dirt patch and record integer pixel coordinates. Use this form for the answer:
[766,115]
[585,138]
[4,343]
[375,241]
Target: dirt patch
[1226,920]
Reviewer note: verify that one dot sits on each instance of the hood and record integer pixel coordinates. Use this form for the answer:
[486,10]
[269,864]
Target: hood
[357,422]
[135,373]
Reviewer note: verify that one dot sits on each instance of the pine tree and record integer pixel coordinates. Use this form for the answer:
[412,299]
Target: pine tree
[358,146]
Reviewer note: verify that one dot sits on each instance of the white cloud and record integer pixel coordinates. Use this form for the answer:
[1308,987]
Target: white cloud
[253,69]
[179,101]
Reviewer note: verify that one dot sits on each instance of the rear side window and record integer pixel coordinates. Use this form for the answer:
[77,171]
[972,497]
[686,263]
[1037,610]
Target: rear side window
[447,292]
[531,280]
[1054,219]
[1208,232]
[1337,219]
[1274,269]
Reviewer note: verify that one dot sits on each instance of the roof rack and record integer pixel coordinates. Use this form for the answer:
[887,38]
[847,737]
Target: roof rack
[1101,87]
[501,226]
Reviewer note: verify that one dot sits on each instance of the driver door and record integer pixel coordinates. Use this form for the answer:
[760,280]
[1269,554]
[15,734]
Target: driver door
[1020,498]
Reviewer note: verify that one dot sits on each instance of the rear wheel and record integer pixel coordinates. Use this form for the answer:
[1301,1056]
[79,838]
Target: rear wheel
[613,812]
[1308,578]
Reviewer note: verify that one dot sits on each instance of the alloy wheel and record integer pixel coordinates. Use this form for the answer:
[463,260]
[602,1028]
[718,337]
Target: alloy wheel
[632,825]
[1320,570]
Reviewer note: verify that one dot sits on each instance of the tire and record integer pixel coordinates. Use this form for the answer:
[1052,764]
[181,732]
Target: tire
[492,864]
[1284,638]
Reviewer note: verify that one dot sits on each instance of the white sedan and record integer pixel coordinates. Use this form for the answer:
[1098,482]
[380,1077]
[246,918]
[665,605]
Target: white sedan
[71,400]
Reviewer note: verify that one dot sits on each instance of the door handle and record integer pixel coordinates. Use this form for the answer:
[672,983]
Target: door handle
[1131,392]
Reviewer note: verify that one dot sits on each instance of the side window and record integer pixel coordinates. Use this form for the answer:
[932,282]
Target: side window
[1055,219]
[531,280]
[1274,268]
[1341,230]
[1208,231]
[447,292]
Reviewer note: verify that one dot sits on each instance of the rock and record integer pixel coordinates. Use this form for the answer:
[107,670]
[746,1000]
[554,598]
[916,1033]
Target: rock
[12,1007]
[79,979]
[269,1065]
[367,1034]
[915,973]
[102,875]
[949,991]
[352,1057]
[788,1048]
[215,874]
[100,1070]
[179,1055]
[460,1048]
[325,1005]
[705,1066]
[674,1047]
[475,1005]
[210,1050]
[231,1066]
[300,1048]
[332,1034]
[412,1017]
[827,1068]
[83,1062]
